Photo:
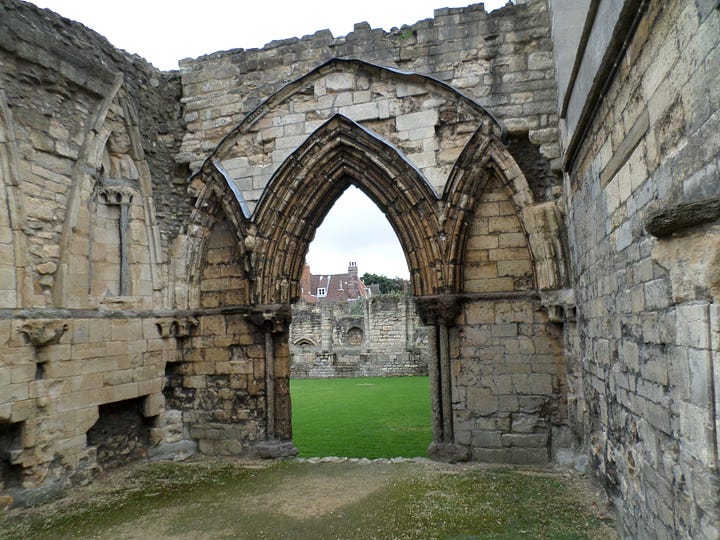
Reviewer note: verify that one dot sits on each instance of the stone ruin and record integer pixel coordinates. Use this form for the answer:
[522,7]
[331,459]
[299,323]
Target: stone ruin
[551,171]
[379,336]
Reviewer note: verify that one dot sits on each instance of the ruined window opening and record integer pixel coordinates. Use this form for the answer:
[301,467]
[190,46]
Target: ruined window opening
[355,336]
[39,371]
[351,335]
[10,449]
[121,433]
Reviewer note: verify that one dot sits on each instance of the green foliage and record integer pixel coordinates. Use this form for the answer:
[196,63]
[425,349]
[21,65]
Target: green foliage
[357,308]
[387,285]
[370,417]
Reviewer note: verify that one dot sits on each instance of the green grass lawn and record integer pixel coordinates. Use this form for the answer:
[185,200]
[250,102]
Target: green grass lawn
[377,417]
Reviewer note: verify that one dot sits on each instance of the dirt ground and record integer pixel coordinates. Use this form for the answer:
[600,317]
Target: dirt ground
[329,498]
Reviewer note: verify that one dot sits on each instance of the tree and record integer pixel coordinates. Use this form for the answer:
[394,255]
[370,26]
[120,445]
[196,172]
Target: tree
[387,285]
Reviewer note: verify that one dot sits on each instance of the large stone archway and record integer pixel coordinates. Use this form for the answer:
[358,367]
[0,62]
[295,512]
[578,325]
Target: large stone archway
[464,215]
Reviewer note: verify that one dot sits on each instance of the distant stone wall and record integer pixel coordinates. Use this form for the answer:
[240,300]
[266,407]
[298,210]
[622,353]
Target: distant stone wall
[375,337]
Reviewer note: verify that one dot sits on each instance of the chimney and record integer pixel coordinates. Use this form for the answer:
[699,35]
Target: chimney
[305,280]
[352,269]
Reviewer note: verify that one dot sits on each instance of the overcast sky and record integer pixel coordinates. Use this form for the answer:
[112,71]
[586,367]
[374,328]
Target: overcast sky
[165,31]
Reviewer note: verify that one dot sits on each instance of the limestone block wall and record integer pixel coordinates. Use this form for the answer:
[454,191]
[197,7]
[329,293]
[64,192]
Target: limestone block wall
[87,135]
[509,376]
[503,60]
[377,337]
[509,394]
[642,189]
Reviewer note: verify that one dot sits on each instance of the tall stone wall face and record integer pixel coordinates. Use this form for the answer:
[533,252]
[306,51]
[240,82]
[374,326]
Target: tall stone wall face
[644,249]
[509,382]
[90,199]
[122,284]
[375,337]
[503,60]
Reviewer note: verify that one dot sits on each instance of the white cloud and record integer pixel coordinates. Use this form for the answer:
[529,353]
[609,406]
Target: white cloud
[165,31]
[356,230]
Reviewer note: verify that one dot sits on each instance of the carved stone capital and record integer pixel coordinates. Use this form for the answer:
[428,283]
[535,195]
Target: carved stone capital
[559,305]
[275,318]
[115,192]
[177,327]
[441,309]
[43,332]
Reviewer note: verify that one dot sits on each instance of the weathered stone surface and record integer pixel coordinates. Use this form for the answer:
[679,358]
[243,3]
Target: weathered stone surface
[642,207]
[374,337]
[556,321]
[666,221]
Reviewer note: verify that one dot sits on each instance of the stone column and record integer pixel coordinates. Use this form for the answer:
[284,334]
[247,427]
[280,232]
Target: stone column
[274,321]
[439,312]
[119,192]
[124,265]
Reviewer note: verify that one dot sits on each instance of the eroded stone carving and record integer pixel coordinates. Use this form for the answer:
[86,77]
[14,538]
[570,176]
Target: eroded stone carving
[665,221]
[177,327]
[559,305]
[43,332]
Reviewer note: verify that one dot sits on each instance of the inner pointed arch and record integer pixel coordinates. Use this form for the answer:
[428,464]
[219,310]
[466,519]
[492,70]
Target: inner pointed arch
[308,184]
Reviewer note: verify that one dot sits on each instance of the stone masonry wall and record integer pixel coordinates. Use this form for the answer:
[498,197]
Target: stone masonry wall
[102,298]
[645,256]
[502,59]
[377,337]
[87,180]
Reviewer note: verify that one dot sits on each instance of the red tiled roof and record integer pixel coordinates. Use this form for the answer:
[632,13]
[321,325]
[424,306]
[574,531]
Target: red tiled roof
[332,288]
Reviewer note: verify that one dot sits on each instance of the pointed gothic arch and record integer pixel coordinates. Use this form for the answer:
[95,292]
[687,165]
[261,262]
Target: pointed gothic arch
[290,190]
[349,65]
[128,183]
[303,190]
[15,290]
[216,200]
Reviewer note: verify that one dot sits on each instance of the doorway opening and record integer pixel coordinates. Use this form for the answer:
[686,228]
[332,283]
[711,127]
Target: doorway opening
[359,353]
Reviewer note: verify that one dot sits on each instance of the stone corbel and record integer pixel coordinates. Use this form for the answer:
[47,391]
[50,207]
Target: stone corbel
[676,217]
[273,318]
[441,309]
[687,247]
[40,333]
[559,305]
[179,327]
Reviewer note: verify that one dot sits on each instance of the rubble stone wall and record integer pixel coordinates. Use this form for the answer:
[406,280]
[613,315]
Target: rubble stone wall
[89,198]
[375,337]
